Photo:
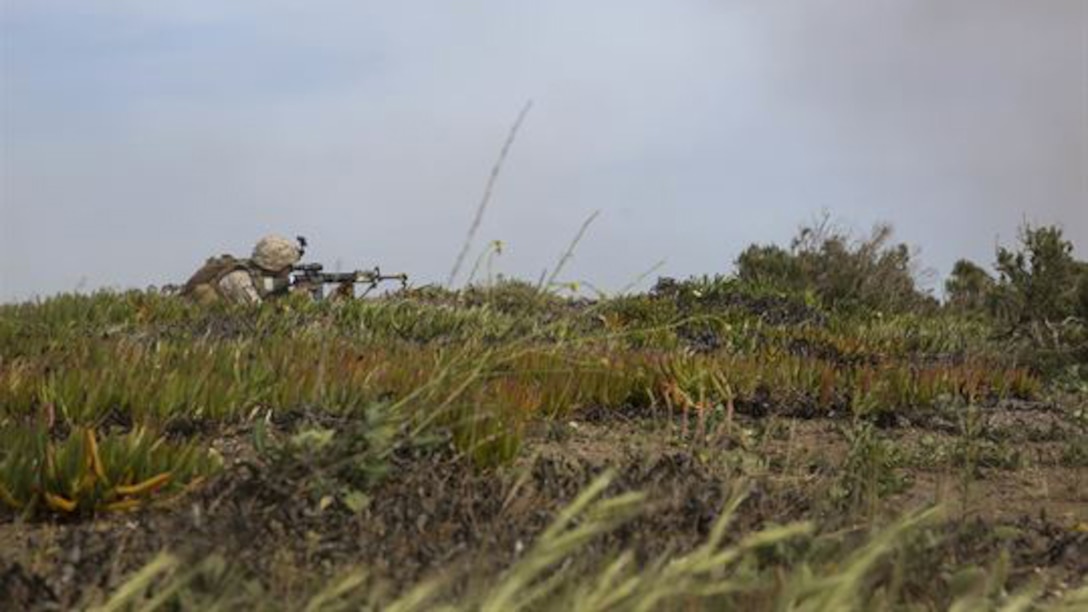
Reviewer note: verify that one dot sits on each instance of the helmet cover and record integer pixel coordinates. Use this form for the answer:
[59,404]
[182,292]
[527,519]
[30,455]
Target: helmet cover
[276,253]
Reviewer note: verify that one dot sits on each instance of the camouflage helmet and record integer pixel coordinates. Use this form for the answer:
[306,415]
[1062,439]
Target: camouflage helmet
[276,253]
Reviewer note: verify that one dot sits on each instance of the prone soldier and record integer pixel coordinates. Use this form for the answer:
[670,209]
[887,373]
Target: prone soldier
[267,273]
[272,271]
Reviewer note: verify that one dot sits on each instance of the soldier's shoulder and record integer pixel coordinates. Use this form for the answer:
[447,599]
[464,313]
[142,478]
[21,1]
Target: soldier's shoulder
[237,276]
[238,286]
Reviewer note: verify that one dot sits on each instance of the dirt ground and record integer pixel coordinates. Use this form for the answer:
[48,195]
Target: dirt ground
[433,513]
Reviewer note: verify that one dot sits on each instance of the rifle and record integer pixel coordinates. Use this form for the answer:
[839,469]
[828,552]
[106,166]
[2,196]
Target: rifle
[312,277]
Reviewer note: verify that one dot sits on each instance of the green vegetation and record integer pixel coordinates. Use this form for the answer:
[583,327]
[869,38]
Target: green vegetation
[1040,295]
[82,474]
[715,575]
[818,378]
[841,272]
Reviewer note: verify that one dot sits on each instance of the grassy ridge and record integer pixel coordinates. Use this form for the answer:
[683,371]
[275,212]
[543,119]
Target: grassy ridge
[112,402]
[143,360]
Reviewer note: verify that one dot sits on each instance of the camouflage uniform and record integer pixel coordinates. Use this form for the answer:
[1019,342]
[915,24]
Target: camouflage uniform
[246,281]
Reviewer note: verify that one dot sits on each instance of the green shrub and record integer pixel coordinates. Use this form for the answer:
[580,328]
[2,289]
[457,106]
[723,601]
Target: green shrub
[969,287]
[83,474]
[1040,280]
[844,273]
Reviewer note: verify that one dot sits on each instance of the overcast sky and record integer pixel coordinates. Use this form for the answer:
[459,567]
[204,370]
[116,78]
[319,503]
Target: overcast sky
[140,137]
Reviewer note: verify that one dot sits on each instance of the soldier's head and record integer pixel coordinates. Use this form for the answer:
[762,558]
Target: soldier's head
[276,254]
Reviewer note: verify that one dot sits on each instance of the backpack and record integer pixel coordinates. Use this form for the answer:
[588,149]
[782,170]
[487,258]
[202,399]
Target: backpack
[213,271]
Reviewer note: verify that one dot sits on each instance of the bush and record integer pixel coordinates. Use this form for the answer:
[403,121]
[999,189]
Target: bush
[1082,292]
[843,273]
[969,287]
[1040,281]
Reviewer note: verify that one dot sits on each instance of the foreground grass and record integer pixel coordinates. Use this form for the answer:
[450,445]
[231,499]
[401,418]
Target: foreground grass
[715,575]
